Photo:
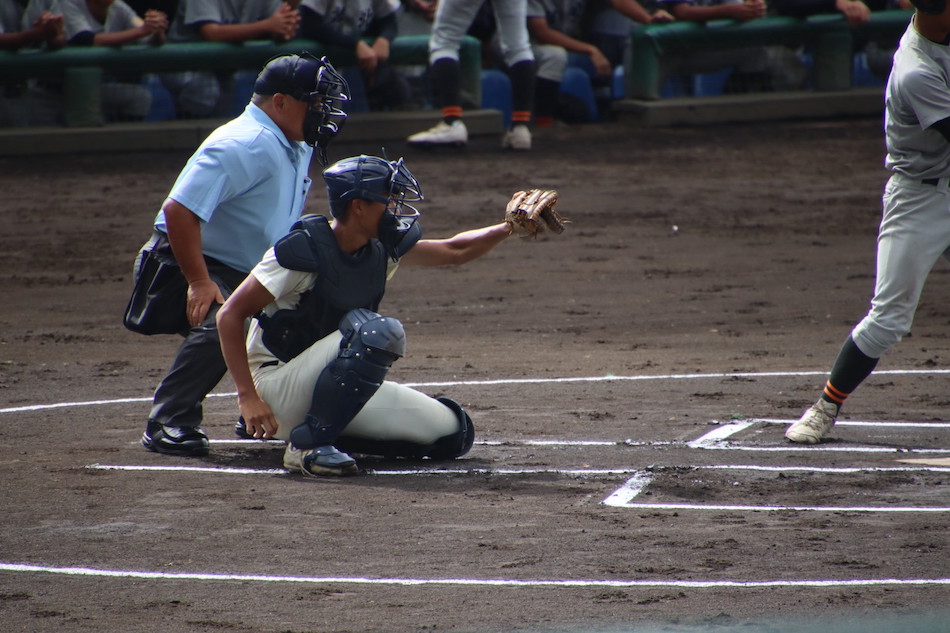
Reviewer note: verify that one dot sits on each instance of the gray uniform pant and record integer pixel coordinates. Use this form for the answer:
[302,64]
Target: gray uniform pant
[395,413]
[914,234]
[199,365]
[454,17]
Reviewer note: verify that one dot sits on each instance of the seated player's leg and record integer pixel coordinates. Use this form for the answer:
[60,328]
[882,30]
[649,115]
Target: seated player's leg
[401,422]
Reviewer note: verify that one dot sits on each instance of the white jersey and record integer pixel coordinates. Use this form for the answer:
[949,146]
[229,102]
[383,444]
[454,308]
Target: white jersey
[562,15]
[192,14]
[78,18]
[917,96]
[352,17]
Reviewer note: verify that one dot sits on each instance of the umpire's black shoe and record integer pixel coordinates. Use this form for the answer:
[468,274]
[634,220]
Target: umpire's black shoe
[173,440]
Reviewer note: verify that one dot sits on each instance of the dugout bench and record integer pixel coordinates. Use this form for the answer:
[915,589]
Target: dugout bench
[828,37]
[82,68]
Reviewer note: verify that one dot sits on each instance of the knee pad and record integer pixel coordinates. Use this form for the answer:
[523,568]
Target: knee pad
[365,332]
[371,344]
[459,443]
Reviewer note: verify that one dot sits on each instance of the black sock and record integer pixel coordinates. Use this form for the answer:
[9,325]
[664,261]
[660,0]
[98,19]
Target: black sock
[522,85]
[445,74]
[850,369]
[546,97]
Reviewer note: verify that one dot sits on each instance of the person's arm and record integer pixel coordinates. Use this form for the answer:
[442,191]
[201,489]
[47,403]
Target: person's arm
[633,10]
[385,29]
[118,38]
[48,28]
[184,236]
[855,12]
[282,25]
[542,33]
[742,11]
[459,249]
[247,300]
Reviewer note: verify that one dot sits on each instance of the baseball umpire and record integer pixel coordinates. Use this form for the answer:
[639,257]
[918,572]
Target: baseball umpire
[312,369]
[241,190]
[915,229]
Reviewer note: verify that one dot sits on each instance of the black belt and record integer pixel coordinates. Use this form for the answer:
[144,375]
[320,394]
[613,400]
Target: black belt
[931,181]
[269,363]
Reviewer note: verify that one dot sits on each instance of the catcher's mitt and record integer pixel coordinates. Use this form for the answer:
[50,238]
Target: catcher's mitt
[531,212]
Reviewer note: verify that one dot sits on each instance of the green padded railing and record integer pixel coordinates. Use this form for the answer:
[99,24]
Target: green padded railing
[829,37]
[82,67]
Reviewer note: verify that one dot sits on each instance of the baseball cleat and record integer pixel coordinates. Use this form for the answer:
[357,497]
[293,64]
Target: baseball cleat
[320,461]
[442,135]
[173,440]
[518,138]
[240,429]
[814,423]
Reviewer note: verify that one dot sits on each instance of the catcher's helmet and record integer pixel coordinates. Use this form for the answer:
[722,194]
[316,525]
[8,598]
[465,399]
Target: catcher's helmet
[306,78]
[372,178]
[378,180]
[931,7]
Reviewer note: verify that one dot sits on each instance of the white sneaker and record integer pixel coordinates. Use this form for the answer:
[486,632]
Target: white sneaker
[518,137]
[814,424]
[323,460]
[443,134]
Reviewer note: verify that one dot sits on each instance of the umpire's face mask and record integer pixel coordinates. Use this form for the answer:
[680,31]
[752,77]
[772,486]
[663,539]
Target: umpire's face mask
[321,123]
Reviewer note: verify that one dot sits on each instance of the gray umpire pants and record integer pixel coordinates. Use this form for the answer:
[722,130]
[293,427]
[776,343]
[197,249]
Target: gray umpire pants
[199,365]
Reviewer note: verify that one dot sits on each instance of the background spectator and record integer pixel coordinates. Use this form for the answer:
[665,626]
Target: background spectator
[114,23]
[203,93]
[348,24]
[38,23]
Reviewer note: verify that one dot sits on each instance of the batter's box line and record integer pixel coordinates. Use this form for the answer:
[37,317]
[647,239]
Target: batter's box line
[469,582]
[623,497]
[516,381]
[575,472]
[717,438]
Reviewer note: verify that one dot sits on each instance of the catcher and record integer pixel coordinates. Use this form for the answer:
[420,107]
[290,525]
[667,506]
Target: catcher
[312,371]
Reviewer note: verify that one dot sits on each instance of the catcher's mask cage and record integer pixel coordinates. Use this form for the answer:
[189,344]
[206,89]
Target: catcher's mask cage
[378,180]
[315,81]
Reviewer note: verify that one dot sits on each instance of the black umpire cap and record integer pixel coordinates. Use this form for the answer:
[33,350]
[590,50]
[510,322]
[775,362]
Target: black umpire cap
[294,75]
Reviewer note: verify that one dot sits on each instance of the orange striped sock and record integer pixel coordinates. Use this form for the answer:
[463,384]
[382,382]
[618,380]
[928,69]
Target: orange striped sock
[451,113]
[520,117]
[834,395]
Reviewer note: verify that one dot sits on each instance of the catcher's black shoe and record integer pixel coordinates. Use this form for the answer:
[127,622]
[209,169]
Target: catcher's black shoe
[240,429]
[173,440]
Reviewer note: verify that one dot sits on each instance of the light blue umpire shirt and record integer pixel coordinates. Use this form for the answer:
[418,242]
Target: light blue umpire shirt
[247,184]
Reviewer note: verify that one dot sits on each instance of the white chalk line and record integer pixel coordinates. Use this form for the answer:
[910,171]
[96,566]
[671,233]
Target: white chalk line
[469,582]
[716,439]
[622,497]
[515,381]
[701,444]
[579,472]
[526,471]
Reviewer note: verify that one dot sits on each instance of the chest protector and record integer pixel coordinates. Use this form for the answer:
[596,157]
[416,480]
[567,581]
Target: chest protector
[344,282]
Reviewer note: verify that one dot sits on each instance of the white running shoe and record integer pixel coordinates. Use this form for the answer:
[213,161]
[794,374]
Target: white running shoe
[323,460]
[518,137]
[443,134]
[814,424]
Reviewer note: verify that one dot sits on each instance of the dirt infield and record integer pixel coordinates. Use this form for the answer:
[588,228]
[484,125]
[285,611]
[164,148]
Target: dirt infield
[630,382]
